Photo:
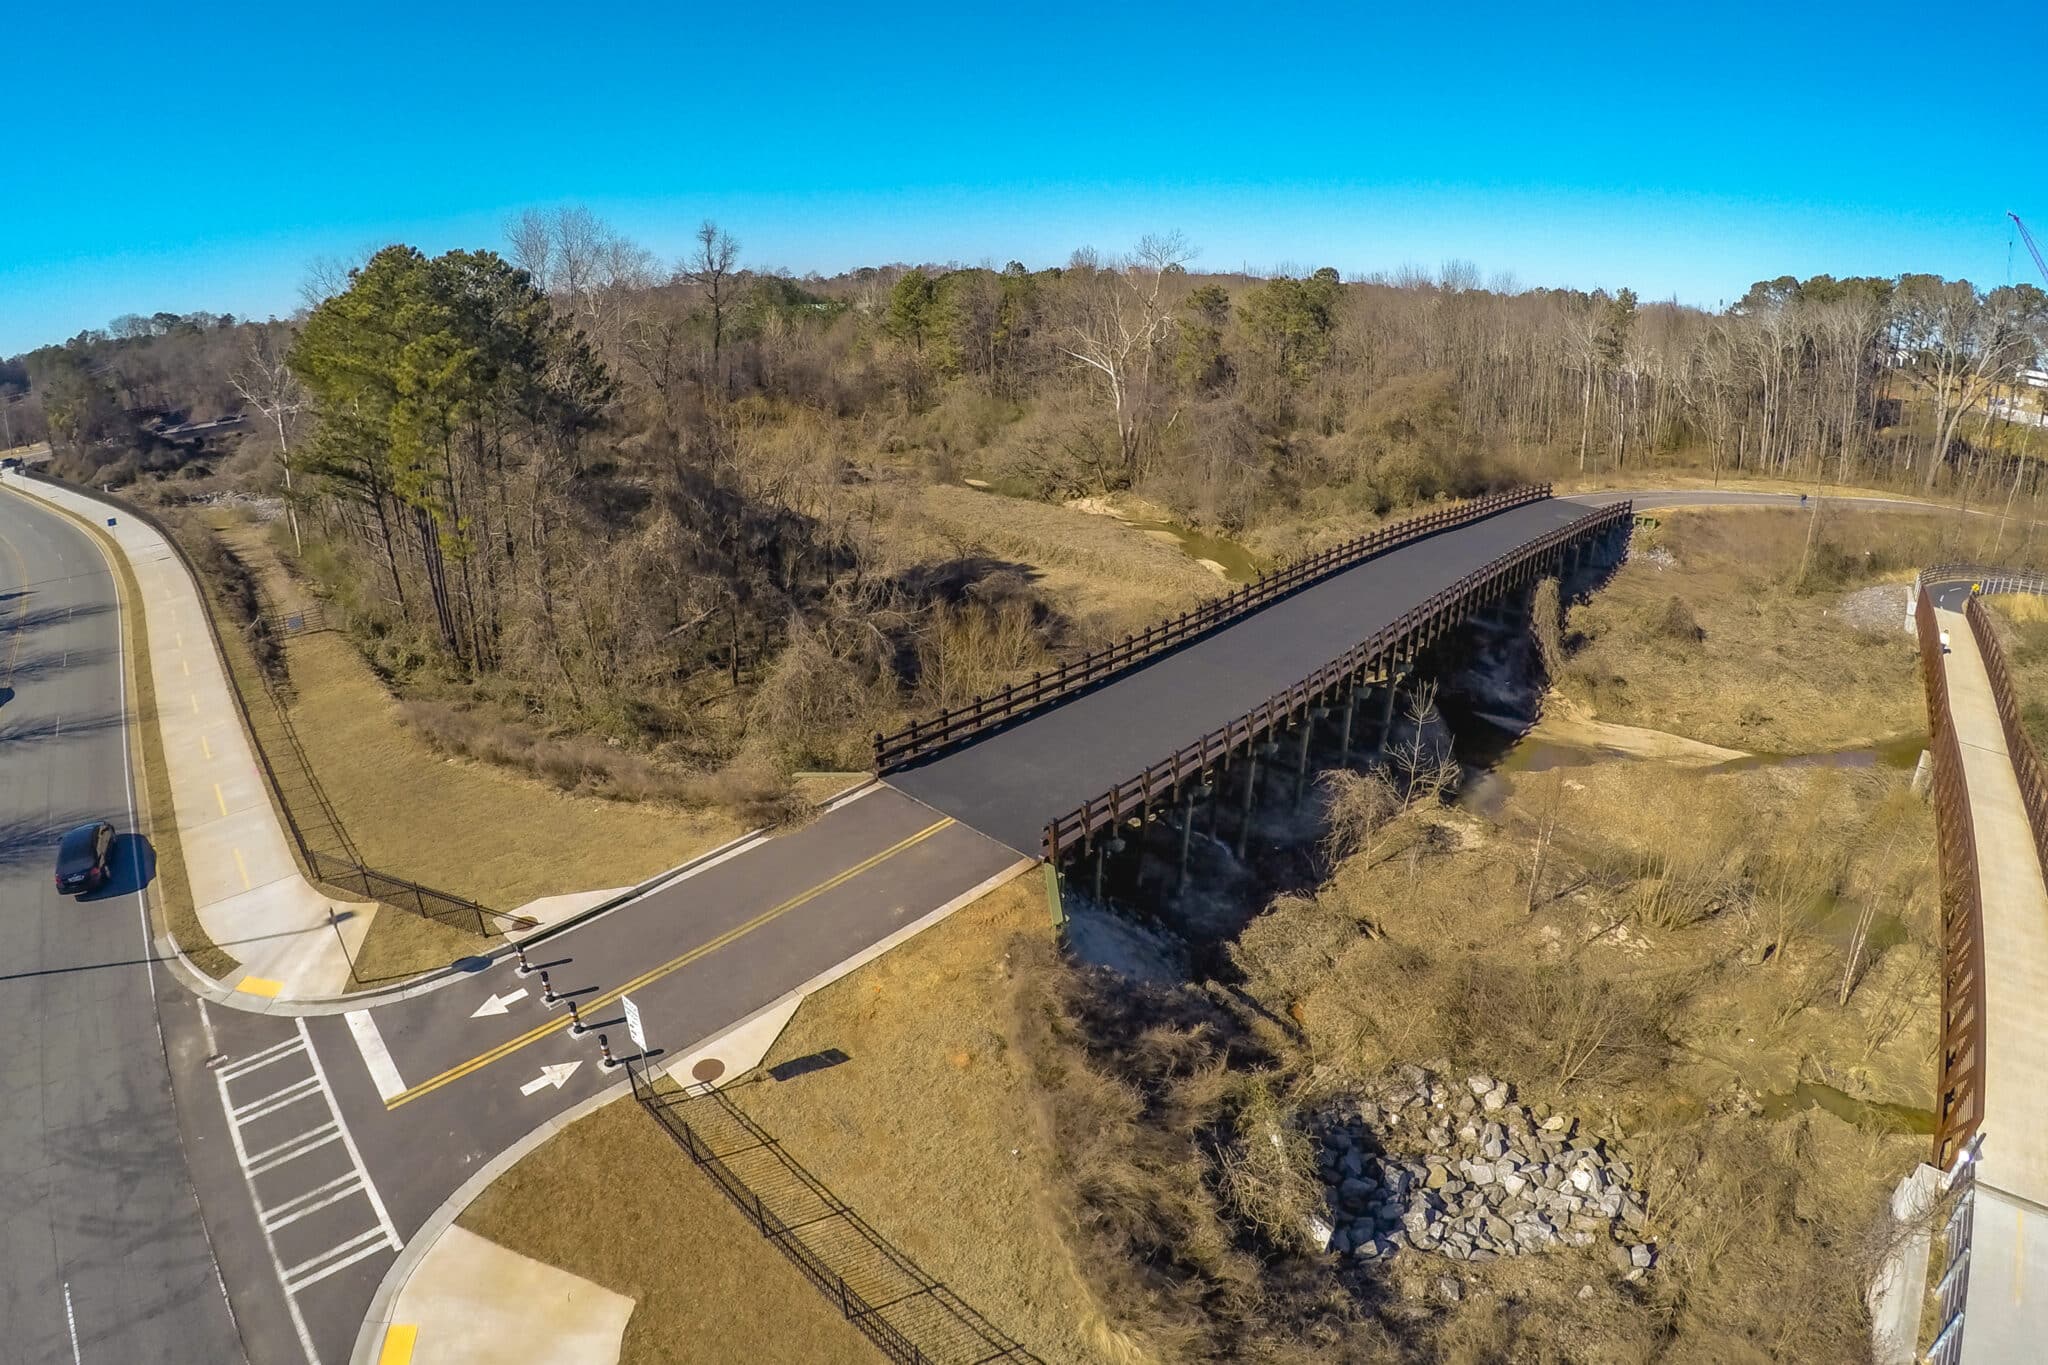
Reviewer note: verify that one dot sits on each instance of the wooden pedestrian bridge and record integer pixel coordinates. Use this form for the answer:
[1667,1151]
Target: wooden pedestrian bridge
[1058,765]
[1991,1141]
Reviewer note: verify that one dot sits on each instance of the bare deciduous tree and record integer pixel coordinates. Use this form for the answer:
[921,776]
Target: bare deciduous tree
[1118,317]
[266,382]
[711,268]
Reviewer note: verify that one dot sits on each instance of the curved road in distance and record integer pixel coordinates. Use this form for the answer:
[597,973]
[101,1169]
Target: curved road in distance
[103,1254]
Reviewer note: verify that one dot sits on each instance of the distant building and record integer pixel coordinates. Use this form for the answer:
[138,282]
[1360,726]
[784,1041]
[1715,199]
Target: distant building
[2034,379]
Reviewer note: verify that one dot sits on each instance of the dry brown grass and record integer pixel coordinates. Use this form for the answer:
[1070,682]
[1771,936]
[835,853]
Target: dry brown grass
[1734,645]
[466,827]
[2021,620]
[1645,1024]
[613,1198]
[928,1130]
[1110,578]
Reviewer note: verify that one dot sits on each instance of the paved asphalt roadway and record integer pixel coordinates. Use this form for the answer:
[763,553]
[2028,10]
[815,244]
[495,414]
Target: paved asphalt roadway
[317,1145]
[103,1255]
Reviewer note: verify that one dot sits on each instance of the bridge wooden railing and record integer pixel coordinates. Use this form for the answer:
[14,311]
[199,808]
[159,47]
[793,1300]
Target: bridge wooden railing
[2019,745]
[1959,1101]
[922,738]
[1409,632]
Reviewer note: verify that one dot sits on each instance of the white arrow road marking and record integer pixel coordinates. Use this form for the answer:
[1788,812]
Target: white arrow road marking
[498,1004]
[553,1075]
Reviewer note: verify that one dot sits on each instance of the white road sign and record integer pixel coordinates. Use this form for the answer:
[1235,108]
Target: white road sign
[633,1022]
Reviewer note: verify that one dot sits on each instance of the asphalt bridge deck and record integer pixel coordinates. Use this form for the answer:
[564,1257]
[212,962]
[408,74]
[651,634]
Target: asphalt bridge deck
[1010,784]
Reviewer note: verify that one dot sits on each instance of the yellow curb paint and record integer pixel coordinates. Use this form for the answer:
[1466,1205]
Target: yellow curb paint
[220,800]
[242,868]
[259,985]
[398,1343]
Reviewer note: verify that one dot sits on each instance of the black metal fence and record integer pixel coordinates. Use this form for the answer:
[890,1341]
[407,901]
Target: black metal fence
[284,758]
[909,1316]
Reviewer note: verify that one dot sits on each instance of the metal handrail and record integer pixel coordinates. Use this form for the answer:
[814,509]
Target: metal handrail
[925,737]
[1410,630]
[2019,745]
[1959,1105]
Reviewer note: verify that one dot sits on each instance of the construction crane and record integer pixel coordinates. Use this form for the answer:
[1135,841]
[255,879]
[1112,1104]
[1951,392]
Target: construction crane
[2032,250]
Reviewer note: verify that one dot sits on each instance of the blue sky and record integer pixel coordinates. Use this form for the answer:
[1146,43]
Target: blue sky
[165,161]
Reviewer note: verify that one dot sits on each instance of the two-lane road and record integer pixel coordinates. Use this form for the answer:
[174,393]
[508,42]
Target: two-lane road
[103,1254]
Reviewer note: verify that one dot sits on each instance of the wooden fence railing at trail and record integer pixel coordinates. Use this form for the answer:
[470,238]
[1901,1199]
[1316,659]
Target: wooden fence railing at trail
[923,738]
[2019,745]
[1410,631]
[1959,1101]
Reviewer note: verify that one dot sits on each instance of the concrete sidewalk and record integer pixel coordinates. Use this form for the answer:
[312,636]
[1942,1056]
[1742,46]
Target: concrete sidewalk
[293,941]
[2008,1306]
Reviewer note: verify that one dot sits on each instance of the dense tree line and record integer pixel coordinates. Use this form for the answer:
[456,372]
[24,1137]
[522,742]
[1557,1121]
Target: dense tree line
[601,477]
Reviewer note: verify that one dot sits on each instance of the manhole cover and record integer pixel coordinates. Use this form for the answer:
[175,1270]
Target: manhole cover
[708,1070]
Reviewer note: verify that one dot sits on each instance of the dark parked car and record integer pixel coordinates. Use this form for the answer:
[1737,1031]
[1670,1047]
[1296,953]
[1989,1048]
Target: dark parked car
[82,858]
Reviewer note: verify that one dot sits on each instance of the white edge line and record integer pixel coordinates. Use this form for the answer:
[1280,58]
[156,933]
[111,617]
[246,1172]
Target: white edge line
[376,1057]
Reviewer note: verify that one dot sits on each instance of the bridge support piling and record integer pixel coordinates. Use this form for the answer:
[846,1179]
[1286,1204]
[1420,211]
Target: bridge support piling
[1215,794]
[1350,709]
[1244,811]
[1187,830]
[1308,725]
[1387,711]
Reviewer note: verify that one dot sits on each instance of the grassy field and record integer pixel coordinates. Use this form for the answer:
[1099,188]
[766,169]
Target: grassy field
[959,1177]
[1725,626]
[613,1199]
[1678,986]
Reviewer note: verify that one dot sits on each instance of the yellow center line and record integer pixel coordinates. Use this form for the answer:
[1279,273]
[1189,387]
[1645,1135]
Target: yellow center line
[204,747]
[674,964]
[195,703]
[242,868]
[186,664]
[220,800]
